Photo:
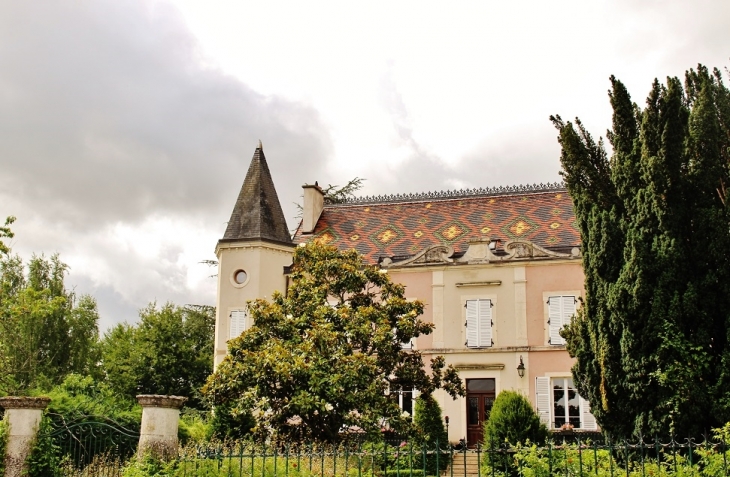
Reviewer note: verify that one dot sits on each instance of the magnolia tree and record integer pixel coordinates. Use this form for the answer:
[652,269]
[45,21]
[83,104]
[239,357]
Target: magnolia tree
[323,358]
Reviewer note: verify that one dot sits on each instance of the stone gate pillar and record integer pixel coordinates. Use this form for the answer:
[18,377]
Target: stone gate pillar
[158,434]
[23,415]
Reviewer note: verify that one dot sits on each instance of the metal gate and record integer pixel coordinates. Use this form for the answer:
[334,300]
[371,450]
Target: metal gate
[92,445]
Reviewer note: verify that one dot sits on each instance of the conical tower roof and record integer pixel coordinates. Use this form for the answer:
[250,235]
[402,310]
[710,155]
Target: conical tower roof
[257,214]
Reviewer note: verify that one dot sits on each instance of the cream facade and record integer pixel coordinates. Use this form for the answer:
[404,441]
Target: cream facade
[499,272]
[262,264]
[517,289]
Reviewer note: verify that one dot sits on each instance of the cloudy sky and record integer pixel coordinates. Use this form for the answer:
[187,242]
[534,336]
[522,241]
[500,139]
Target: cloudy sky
[126,128]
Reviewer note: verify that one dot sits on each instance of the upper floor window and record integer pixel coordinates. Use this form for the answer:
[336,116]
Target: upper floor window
[560,311]
[479,323]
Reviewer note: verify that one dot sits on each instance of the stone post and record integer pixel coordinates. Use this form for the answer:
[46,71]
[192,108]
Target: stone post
[158,434]
[23,415]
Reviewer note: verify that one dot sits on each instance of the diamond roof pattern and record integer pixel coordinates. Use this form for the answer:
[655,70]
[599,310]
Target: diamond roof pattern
[389,229]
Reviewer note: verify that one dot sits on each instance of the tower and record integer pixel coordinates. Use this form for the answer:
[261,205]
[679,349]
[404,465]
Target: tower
[252,253]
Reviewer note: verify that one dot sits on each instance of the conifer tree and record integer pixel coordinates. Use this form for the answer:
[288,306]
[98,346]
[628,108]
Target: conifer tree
[431,435]
[651,339]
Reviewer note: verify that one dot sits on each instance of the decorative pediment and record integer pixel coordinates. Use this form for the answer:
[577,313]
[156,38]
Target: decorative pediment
[525,250]
[480,251]
[435,254]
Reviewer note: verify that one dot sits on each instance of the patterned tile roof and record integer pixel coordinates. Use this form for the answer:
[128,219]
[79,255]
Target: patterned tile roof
[401,226]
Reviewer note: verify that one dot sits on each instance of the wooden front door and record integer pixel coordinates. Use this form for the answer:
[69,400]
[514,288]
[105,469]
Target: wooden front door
[479,400]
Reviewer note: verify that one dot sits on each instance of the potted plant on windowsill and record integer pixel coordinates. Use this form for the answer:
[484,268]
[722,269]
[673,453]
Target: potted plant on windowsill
[565,430]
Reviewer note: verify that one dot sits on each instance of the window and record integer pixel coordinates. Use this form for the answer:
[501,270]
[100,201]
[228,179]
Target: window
[238,323]
[240,277]
[403,344]
[560,406]
[560,311]
[405,398]
[479,323]
[409,344]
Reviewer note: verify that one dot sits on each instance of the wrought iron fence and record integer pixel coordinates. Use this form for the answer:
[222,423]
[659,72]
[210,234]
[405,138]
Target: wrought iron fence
[581,457]
[309,460]
[103,448]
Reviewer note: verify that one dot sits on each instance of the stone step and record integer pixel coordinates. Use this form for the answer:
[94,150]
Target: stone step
[463,466]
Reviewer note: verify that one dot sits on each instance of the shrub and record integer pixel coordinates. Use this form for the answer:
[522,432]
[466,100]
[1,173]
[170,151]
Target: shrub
[430,430]
[225,424]
[194,426]
[3,444]
[514,421]
[79,397]
[44,459]
[149,467]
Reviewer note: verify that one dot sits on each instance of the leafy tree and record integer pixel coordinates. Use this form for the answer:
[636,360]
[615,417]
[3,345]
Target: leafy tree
[651,339]
[321,358]
[227,424]
[79,397]
[170,351]
[5,232]
[45,332]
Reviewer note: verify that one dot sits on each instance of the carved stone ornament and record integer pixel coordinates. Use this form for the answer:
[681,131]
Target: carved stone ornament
[434,254]
[525,250]
[478,253]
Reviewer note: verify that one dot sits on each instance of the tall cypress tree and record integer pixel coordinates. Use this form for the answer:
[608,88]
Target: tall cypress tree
[651,339]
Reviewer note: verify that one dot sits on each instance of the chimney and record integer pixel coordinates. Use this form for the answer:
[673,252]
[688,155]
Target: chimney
[313,205]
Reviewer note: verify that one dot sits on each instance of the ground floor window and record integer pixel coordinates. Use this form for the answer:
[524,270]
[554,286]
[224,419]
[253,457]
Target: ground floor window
[560,406]
[405,397]
[566,403]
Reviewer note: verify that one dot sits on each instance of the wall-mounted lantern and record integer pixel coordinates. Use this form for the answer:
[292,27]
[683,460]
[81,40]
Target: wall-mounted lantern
[521,368]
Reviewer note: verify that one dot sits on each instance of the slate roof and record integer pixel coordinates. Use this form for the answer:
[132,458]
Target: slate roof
[401,226]
[257,214]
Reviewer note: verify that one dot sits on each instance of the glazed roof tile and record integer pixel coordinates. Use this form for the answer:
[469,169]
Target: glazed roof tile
[404,225]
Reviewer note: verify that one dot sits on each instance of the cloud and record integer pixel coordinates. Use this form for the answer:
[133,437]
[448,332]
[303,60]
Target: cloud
[110,113]
[523,153]
[123,149]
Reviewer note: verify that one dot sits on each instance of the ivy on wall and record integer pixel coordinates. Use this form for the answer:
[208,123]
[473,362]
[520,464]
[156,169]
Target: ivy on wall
[3,443]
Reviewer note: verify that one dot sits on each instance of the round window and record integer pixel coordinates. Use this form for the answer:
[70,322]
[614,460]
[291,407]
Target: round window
[240,277]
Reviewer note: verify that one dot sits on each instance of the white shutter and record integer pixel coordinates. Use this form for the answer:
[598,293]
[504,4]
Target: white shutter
[485,322]
[555,316]
[568,309]
[472,336]
[587,421]
[542,394]
[238,323]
